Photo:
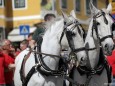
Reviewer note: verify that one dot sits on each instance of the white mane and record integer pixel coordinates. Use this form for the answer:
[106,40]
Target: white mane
[55,28]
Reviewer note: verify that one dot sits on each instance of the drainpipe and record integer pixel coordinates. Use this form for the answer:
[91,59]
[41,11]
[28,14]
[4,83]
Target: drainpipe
[53,5]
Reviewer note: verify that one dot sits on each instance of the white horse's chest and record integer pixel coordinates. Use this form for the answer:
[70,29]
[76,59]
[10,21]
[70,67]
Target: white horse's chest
[93,55]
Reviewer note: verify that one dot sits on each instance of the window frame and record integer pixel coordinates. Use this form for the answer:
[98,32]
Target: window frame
[86,7]
[61,4]
[75,6]
[22,8]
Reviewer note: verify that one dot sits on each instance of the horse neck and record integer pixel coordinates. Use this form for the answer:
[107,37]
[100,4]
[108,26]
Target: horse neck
[92,42]
[50,45]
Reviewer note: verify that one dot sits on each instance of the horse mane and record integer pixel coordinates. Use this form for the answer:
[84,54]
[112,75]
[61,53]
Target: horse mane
[54,27]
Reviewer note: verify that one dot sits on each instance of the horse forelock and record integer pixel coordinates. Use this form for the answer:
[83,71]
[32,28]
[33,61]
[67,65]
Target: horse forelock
[105,11]
[55,27]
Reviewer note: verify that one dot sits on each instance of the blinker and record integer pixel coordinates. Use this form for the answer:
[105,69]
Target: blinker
[113,26]
[73,56]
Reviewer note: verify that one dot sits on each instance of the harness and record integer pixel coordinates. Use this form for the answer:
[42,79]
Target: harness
[41,66]
[105,63]
[96,71]
[102,61]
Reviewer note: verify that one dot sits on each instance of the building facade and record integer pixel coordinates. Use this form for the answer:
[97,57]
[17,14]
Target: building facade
[81,7]
[113,6]
[16,13]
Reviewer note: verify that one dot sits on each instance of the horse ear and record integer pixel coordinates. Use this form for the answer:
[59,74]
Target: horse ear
[72,13]
[64,16]
[93,9]
[109,8]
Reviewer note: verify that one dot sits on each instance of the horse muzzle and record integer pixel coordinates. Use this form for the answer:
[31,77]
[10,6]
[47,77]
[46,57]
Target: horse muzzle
[108,49]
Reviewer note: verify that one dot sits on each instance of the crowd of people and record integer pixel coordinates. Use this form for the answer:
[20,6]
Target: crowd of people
[8,52]
[7,66]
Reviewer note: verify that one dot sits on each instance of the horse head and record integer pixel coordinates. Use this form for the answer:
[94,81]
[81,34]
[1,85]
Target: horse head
[101,27]
[74,33]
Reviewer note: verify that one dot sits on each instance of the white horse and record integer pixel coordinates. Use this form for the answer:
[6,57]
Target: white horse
[98,42]
[46,70]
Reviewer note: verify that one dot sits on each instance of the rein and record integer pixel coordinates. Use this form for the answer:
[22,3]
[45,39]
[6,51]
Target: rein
[39,63]
[39,66]
[37,52]
[22,70]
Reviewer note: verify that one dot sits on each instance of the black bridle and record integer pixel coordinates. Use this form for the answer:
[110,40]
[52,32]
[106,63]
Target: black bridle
[95,24]
[102,64]
[40,64]
[69,36]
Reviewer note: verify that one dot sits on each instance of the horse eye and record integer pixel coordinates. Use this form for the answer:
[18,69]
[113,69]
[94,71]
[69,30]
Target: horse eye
[70,33]
[98,23]
[73,34]
[75,21]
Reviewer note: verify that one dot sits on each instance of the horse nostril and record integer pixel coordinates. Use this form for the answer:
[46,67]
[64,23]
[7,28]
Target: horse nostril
[82,59]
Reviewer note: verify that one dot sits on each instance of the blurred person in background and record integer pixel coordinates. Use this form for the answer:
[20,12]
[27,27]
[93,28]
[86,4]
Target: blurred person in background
[38,33]
[8,73]
[3,63]
[17,51]
[30,38]
[12,51]
[24,44]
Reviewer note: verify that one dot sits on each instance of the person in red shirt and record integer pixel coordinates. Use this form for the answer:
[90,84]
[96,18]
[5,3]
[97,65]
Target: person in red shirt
[3,63]
[24,44]
[111,61]
[8,73]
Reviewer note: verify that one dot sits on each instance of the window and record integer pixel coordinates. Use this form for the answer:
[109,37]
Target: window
[64,4]
[87,6]
[1,3]
[46,5]
[19,3]
[77,6]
